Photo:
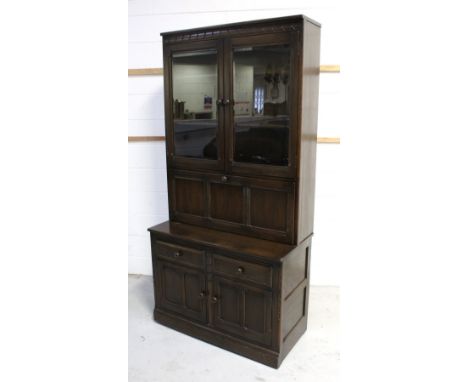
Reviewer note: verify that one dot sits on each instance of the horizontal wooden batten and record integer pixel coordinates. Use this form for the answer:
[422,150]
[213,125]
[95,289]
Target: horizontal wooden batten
[150,138]
[330,69]
[335,140]
[160,71]
[146,72]
[155,138]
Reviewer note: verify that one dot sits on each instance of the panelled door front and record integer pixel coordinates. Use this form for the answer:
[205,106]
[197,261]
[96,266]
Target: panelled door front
[183,290]
[257,207]
[242,310]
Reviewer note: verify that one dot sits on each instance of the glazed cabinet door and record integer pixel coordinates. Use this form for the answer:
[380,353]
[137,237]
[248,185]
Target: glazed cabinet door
[242,310]
[182,290]
[261,117]
[193,105]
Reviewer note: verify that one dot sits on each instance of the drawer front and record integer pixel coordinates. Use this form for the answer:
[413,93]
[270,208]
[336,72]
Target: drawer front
[256,273]
[180,254]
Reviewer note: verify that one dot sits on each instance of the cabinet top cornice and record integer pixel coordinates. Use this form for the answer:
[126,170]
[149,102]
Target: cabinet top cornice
[277,24]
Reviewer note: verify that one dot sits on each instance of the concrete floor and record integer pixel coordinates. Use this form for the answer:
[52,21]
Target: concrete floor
[160,354]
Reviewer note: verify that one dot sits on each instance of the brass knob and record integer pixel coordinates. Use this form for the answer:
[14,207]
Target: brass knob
[224,178]
[177,254]
[240,270]
[214,299]
[202,294]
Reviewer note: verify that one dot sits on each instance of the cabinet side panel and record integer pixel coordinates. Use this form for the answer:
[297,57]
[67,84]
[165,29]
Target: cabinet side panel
[308,135]
[295,269]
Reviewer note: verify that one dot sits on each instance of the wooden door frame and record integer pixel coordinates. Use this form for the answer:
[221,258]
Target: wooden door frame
[186,162]
[266,39]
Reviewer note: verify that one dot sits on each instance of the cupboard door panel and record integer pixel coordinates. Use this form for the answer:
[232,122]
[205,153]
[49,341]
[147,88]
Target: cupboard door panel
[226,202]
[256,311]
[268,209]
[181,291]
[242,310]
[229,304]
[188,196]
[193,286]
[173,286]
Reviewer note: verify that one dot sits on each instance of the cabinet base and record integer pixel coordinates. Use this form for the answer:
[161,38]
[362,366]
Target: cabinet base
[224,341]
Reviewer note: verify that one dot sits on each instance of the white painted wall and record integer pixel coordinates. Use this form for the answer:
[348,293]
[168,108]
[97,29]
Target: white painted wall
[146,161]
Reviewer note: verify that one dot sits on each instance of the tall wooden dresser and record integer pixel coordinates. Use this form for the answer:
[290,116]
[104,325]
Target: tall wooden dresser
[231,266]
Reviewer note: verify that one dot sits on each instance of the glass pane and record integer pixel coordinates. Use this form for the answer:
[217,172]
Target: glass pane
[261,109]
[195,90]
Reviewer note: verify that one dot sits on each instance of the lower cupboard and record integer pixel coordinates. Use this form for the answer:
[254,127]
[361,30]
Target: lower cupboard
[243,294]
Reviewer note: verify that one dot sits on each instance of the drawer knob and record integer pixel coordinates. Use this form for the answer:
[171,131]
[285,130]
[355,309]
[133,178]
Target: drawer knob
[240,270]
[224,178]
[177,254]
[202,294]
[214,299]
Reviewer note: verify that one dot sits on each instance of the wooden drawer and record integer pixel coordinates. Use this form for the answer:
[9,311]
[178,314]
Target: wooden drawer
[180,254]
[256,273]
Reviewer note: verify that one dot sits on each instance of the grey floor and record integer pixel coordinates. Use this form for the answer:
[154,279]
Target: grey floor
[157,353]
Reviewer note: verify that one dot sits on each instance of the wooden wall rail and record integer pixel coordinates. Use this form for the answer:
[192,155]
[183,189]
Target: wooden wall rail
[155,138]
[160,71]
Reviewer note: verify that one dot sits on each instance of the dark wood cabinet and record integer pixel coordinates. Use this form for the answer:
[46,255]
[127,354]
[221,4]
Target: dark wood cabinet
[231,265]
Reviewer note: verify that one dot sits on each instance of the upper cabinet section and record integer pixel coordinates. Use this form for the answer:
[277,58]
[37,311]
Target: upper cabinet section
[233,97]
[241,126]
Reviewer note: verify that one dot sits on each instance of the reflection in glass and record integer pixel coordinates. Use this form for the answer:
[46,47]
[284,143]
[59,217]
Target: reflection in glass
[194,90]
[261,109]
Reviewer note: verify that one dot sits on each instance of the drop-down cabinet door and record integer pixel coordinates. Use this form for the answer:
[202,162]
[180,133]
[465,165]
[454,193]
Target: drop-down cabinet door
[262,208]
